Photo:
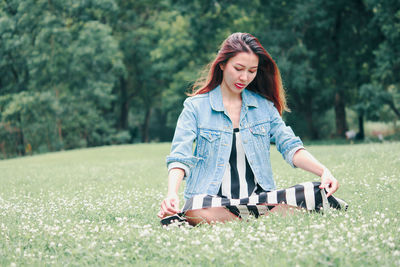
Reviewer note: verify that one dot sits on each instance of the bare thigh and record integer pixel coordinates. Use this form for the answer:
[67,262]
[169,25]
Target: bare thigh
[209,215]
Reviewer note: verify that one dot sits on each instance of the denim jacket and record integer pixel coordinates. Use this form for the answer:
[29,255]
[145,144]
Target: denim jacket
[205,121]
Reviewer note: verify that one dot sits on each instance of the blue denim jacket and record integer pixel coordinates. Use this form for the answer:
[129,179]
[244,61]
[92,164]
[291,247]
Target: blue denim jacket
[205,122]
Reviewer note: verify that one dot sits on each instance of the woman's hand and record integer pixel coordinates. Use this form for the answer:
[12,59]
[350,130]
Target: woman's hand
[329,182]
[169,206]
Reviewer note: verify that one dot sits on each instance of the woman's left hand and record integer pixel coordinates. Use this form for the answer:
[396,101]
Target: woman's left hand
[329,182]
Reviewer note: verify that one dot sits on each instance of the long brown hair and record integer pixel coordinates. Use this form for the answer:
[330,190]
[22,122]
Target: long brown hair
[267,83]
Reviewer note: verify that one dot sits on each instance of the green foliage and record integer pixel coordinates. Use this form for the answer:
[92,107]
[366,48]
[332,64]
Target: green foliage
[385,85]
[116,71]
[73,60]
[29,120]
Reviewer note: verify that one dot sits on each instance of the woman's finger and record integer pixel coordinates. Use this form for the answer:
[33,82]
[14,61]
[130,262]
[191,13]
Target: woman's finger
[163,208]
[325,183]
[166,208]
[160,214]
[335,186]
[165,212]
[175,204]
[169,206]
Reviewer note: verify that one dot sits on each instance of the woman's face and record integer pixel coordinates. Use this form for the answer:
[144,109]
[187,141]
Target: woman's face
[239,71]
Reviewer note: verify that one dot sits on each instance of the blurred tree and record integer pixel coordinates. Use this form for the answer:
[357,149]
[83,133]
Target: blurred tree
[29,122]
[340,44]
[142,84]
[113,71]
[67,51]
[384,89]
[282,29]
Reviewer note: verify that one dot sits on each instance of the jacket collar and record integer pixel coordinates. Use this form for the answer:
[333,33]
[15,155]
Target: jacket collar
[248,99]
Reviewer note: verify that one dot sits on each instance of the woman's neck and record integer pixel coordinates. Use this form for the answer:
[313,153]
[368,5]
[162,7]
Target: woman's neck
[229,97]
[233,105]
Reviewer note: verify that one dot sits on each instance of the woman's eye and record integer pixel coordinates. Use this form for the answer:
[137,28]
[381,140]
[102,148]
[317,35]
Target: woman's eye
[238,69]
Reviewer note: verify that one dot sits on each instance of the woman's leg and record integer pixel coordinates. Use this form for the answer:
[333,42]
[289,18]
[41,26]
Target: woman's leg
[221,214]
[209,215]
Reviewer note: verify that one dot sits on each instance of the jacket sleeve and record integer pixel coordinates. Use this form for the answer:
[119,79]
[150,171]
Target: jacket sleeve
[181,155]
[283,136]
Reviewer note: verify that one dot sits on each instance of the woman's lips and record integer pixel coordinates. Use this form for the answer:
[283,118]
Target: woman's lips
[239,85]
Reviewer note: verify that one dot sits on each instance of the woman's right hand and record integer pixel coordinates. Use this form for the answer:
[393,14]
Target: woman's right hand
[169,206]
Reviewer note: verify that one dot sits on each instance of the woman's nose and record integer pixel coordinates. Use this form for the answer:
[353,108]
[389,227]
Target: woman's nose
[243,77]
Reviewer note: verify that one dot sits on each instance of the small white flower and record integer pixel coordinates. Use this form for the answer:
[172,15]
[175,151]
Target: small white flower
[196,242]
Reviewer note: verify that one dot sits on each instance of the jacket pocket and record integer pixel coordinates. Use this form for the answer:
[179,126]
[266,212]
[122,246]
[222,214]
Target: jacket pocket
[208,141]
[261,134]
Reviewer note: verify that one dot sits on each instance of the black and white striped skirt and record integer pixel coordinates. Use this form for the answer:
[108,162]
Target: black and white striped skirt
[305,195]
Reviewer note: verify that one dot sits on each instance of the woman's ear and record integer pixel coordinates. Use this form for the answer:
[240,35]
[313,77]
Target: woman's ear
[222,66]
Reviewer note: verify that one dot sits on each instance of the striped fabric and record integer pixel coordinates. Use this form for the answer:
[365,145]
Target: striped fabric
[306,195]
[238,180]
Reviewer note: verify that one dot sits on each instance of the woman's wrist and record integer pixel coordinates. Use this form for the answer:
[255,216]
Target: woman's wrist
[172,194]
[321,169]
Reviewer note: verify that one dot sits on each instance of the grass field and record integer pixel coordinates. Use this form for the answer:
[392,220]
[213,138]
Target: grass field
[97,207]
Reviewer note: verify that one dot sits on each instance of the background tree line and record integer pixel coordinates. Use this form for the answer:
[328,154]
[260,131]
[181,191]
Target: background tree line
[97,72]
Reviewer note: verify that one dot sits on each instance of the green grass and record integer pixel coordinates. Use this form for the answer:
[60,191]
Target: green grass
[98,207]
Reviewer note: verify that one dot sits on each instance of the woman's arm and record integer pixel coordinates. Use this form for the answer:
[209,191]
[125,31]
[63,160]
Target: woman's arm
[181,160]
[287,143]
[170,205]
[181,155]
[304,160]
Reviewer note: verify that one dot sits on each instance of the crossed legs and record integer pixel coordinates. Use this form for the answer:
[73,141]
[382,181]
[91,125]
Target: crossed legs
[221,214]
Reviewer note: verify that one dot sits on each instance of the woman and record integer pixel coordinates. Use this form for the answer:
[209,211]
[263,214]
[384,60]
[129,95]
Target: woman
[232,116]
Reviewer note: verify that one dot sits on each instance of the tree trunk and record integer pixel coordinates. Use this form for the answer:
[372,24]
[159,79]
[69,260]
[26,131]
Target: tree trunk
[394,108]
[361,134]
[124,108]
[146,124]
[59,125]
[20,143]
[310,120]
[59,129]
[164,132]
[3,150]
[340,112]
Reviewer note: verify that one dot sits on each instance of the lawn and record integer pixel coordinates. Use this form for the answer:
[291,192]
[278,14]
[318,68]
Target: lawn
[97,207]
